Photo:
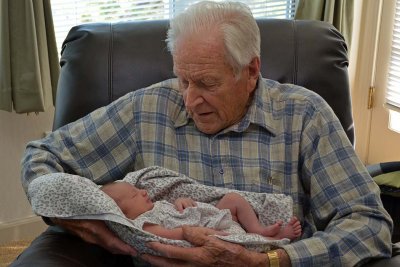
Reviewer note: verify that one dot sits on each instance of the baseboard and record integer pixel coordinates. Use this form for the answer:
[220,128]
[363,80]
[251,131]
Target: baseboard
[22,229]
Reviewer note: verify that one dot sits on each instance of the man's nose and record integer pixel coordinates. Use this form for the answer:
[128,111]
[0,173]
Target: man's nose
[192,96]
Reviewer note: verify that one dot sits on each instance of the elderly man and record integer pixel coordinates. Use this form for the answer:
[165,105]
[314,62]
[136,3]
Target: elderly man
[225,126]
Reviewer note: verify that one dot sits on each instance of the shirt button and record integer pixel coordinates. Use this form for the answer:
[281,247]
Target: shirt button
[221,171]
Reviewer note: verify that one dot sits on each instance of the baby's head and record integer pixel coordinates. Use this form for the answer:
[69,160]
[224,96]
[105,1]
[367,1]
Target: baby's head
[131,200]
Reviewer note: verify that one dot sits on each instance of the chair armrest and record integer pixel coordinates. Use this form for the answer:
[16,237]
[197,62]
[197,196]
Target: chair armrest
[384,167]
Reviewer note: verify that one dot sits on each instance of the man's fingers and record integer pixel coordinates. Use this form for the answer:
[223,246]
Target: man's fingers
[117,246]
[124,250]
[174,252]
[199,235]
[160,261]
[208,251]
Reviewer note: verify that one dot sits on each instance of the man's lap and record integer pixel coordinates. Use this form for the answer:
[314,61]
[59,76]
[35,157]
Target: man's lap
[55,247]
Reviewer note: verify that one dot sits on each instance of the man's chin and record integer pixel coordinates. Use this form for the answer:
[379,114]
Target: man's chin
[207,129]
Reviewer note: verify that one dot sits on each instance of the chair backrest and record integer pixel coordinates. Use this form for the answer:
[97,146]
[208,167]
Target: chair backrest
[101,62]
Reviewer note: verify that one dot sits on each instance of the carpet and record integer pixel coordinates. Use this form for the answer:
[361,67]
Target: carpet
[9,251]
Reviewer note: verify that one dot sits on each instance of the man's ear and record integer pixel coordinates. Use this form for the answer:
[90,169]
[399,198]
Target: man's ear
[254,73]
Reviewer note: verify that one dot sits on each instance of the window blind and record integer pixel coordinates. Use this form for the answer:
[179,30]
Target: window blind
[68,13]
[393,87]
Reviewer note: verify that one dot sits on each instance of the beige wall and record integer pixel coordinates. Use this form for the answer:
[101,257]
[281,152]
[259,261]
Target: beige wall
[15,131]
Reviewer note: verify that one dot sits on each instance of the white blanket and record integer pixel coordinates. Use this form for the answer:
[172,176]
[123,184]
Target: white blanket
[73,197]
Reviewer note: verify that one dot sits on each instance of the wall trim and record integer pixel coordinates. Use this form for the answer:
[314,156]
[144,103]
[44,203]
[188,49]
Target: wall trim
[21,229]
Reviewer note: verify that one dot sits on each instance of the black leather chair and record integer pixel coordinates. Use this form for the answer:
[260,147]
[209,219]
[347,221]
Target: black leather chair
[101,62]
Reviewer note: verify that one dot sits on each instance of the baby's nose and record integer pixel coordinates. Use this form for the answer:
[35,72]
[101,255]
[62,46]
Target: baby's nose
[144,192]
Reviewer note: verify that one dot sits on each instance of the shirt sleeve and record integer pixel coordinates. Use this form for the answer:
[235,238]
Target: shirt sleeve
[351,225]
[100,146]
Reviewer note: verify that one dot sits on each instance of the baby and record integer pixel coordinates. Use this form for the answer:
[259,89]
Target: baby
[135,202]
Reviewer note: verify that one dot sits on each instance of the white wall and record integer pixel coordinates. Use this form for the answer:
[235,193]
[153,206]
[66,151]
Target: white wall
[16,130]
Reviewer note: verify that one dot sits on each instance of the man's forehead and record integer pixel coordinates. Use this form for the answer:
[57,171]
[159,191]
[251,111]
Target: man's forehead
[199,66]
[207,74]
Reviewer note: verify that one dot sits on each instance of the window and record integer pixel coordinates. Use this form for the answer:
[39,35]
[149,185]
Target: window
[67,13]
[393,88]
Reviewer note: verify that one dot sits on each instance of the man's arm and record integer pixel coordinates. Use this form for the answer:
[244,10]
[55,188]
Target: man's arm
[344,210]
[84,148]
[97,146]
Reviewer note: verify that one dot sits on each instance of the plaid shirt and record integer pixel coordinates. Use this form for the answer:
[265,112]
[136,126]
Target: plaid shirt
[289,142]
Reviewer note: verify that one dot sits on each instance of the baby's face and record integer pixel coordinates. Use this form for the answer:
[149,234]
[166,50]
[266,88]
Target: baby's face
[131,200]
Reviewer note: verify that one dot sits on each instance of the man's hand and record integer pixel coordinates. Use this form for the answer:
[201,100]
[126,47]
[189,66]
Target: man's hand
[96,232]
[208,251]
[183,203]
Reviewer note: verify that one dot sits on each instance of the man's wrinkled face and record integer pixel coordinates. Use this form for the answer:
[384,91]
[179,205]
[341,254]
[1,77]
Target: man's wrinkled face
[214,97]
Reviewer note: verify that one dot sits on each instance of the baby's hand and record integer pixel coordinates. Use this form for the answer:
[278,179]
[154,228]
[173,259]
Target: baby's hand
[183,203]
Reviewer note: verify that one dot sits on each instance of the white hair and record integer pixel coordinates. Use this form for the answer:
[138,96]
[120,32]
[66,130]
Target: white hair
[234,20]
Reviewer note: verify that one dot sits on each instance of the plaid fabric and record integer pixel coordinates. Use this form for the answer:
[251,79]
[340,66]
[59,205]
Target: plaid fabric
[289,142]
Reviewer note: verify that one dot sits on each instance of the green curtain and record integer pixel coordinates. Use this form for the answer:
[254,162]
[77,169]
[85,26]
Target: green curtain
[337,12]
[28,56]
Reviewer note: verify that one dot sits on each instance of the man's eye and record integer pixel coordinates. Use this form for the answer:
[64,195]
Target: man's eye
[209,86]
[208,83]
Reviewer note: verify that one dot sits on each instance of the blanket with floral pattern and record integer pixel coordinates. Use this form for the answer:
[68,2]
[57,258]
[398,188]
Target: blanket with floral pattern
[74,197]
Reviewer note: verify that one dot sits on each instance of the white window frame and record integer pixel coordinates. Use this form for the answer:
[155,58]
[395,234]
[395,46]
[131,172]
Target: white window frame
[369,61]
[393,76]
[68,13]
